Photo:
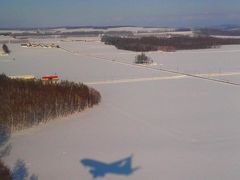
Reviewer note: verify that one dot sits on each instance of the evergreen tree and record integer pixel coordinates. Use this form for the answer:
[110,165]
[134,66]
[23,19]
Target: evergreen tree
[6,49]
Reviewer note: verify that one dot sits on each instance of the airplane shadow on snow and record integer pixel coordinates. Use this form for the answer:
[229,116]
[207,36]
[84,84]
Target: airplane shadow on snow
[100,169]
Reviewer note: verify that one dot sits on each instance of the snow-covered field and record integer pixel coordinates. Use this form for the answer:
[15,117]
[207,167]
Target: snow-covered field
[177,127]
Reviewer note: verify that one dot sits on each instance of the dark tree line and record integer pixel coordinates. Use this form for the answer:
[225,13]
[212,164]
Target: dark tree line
[26,103]
[167,43]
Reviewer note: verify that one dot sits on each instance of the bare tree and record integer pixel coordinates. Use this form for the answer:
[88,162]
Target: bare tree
[142,59]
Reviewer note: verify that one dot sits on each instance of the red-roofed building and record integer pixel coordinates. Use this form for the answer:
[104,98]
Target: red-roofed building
[50,79]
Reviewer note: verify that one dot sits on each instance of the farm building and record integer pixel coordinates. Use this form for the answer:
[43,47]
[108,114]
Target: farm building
[23,77]
[49,79]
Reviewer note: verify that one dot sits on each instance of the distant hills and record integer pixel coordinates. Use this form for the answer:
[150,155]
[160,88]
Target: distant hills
[225,27]
[222,27]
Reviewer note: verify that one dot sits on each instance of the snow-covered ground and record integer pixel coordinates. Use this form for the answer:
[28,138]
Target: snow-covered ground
[176,127]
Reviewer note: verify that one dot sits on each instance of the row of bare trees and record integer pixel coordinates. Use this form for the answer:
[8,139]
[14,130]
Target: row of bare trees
[26,103]
[168,43]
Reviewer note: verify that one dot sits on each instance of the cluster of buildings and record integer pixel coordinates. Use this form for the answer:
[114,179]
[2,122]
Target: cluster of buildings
[23,77]
[48,79]
[41,45]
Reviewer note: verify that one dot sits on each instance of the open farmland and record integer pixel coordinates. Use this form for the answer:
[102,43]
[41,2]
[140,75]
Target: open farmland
[176,126]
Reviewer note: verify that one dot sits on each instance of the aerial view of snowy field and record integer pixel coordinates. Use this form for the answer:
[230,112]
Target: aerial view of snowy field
[174,119]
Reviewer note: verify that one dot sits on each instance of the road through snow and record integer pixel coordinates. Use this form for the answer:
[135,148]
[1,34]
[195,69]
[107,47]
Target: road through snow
[119,81]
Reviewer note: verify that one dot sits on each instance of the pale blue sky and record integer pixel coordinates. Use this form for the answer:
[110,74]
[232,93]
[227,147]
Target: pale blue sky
[42,13]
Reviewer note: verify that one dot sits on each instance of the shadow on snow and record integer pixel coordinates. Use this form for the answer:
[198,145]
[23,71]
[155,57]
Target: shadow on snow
[100,169]
[20,172]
